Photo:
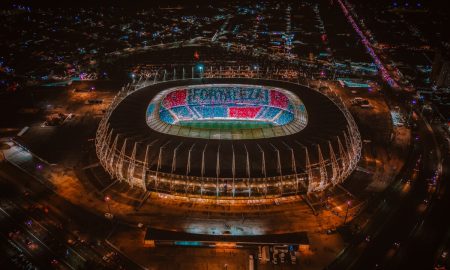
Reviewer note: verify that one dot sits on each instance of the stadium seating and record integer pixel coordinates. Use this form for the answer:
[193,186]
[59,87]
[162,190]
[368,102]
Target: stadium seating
[175,98]
[284,118]
[233,102]
[165,116]
[278,99]
[208,112]
[243,112]
[269,113]
[182,112]
[150,109]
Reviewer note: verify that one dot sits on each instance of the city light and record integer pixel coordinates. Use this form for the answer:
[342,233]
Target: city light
[200,68]
[384,73]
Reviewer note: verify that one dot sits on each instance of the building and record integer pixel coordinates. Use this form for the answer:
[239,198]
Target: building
[157,237]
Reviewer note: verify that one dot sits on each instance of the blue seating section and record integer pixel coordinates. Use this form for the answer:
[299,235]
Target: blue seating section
[284,118]
[208,112]
[182,112]
[269,113]
[165,116]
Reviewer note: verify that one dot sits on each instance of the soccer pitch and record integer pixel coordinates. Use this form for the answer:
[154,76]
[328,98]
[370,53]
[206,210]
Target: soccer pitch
[225,124]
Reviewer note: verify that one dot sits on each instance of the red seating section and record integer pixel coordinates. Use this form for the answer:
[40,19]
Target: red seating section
[175,98]
[278,99]
[244,112]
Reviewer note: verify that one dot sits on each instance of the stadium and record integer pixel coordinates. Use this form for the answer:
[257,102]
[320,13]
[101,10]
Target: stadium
[228,138]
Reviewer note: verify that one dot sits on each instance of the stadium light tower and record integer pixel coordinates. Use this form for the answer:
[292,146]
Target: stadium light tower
[346,211]
[107,199]
[200,68]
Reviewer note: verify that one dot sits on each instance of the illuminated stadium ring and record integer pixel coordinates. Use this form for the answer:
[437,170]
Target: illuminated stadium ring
[226,112]
[176,138]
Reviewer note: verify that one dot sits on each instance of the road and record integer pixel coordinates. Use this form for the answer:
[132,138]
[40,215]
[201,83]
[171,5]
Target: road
[403,230]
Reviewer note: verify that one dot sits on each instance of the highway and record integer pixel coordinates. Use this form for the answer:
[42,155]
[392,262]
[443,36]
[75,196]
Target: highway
[408,222]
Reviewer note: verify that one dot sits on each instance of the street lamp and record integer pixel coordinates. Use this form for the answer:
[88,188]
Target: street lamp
[346,211]
[107,199]
[200,67]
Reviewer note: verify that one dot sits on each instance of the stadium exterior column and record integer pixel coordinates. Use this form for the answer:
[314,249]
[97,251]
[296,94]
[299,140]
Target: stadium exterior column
[342,155]
[188,168]
[144,168]
[104,143]
[322,168]
[279,168]
[119,167]
[132,165]
[159,164]
[308,170]
[174,163]
[248,170]
[294,167]
[217,171]
[203,169]
[263,169]
[334,165]
[349,149]
[111,155]
[233,169]
[156,77]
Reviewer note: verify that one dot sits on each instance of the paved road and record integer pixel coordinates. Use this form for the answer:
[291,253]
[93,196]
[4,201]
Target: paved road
[402,217]
[422,248]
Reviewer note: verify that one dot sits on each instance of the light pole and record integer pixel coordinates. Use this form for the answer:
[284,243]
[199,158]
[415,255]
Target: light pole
[346,211]
[107,199]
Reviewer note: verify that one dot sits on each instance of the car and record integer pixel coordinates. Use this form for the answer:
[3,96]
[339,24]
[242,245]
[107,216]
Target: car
[275,257]
[266,254]
[366,106]
[281,248]
[275,260]
[94,101]
[293,257]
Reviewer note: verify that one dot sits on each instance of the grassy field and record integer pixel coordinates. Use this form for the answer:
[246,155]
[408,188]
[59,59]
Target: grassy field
[225,124]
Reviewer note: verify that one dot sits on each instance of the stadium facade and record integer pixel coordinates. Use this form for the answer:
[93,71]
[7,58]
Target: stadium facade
[180,137]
